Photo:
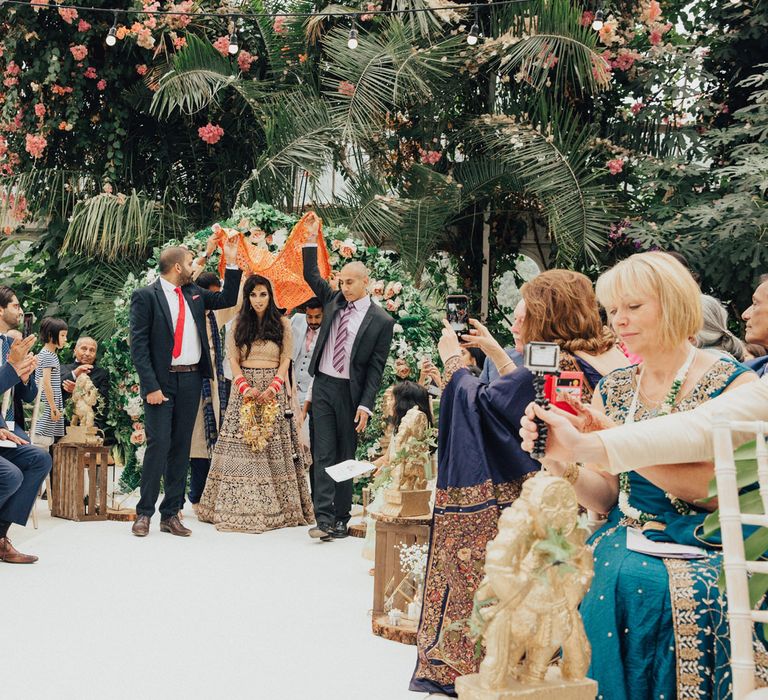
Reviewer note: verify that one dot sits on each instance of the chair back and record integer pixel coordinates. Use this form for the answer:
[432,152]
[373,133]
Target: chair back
[741,616]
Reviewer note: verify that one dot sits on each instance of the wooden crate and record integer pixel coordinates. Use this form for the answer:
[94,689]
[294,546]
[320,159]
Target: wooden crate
[71,463]
[391,532]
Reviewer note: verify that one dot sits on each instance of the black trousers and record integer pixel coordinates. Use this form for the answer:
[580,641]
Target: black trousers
[335,439]
[169,429]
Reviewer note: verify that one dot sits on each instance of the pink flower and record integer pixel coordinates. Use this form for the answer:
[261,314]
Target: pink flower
[635,108]
[615,166]
[68,14]
[142,69]
[335,244]
[137,437]
[651,12]
[180,21]
[392,304]
[79,52]
[179,42]
[145,39]
[210,133]
[429,157]
[83,26]
[587,18]
[347,250]
[101,85]
[377,288]
[40,110]
[625,59]
[90,73]
[10,82]
[279,25]
[35,145]
[107,188]
[244,60]
[346,88]
[222,45]
[12,68]
[655,38]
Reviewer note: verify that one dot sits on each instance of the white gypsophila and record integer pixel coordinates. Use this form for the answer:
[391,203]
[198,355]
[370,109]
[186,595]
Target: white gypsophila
[397,328]
[151,276]
[626,508]
[413,560]
[134,406]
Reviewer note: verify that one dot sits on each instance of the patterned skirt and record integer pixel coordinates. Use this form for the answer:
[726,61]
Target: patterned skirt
[255,491]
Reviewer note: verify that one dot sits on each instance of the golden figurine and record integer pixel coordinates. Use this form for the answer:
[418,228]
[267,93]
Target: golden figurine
[537,570]
[407,494]
[82,428]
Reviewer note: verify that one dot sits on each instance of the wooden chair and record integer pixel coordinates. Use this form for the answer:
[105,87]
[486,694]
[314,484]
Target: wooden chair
[741,617]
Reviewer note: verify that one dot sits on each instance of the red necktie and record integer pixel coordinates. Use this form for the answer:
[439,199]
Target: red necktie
[179,332]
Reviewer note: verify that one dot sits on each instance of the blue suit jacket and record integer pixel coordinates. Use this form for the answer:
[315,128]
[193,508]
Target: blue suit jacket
[28,391]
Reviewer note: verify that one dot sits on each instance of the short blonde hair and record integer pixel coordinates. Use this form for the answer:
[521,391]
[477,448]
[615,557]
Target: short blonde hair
[662,277]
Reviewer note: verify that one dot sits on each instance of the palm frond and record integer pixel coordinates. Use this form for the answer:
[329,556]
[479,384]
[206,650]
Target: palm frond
[546,44]
[47,192]
[298,133]
[314,25]
[443,12]
[555,167]
[115,226]
[198,73]
[384,73]
[482,177]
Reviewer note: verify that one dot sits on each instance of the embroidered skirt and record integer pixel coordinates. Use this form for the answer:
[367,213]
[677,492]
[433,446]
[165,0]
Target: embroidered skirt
[255,491]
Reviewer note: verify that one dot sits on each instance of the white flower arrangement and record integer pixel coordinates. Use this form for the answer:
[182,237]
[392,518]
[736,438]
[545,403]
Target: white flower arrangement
[413,561]
[140,451]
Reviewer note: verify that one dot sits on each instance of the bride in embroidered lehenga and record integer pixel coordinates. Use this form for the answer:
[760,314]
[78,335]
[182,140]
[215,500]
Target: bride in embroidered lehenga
[258,477]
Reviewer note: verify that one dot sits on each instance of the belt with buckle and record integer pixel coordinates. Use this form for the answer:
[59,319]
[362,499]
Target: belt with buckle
[184,368]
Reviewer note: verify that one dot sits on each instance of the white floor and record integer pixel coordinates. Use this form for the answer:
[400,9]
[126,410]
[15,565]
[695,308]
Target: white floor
[104,614]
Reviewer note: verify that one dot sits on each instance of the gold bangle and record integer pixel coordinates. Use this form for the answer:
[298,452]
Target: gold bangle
[506,364]
[571,473]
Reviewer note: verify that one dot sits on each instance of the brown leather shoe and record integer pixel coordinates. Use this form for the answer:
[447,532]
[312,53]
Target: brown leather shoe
[141,526]
[174,526]
[9,554]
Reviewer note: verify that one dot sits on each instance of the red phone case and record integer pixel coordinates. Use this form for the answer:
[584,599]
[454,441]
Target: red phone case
[556,385]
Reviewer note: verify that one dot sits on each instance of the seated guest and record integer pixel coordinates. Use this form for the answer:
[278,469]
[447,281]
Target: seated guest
[481,464]
[756,317]
[657,626]
[85,363]
[714,334]
[514,353]
[23,467]
[11,315]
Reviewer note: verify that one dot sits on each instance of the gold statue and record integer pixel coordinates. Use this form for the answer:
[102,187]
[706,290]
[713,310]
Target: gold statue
[537,570]
[85,396]
[82,428]
[407,494]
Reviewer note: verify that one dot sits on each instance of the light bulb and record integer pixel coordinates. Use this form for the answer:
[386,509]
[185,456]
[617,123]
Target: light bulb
[597,25]
[473,35]
[111,37]
[352,42]
[233,48]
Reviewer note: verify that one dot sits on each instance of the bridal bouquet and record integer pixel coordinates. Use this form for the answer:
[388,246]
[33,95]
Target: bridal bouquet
[257,420]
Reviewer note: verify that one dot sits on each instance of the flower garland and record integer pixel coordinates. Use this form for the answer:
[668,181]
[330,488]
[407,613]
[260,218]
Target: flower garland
[667,406]
[257,421]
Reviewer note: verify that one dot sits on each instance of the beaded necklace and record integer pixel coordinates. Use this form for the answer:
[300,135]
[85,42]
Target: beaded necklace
[665,409]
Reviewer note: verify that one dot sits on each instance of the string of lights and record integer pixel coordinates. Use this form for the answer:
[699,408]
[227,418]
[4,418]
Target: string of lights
[353,15]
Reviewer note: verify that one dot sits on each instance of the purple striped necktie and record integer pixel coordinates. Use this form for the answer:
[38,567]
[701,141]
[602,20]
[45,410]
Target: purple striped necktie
[339,349]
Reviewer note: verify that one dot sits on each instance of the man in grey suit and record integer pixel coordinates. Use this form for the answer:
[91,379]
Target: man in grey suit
[347,364]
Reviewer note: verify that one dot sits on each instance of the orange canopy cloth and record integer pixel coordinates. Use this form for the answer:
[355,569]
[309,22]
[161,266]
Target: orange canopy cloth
[286,270]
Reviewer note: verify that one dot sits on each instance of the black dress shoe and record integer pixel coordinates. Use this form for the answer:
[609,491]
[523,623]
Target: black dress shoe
[339,531]
[321,532]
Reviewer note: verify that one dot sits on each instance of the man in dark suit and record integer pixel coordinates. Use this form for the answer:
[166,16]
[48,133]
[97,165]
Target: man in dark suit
[85,363]
[347,364]
[23,467]
[170,350]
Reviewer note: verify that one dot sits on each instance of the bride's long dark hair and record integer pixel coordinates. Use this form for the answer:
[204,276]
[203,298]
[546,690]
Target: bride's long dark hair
[248,328]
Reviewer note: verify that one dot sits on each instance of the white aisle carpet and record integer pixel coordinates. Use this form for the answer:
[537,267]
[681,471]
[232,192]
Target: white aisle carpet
[224,616]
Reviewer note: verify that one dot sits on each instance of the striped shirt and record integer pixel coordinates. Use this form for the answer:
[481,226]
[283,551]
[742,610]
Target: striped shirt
[45,426]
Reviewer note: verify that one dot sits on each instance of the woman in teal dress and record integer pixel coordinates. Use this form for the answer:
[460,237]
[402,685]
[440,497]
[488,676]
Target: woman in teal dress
[657,626]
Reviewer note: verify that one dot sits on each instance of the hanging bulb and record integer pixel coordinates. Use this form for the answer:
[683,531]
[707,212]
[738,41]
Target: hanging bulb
[474,34]
[112,35]
[233,47]
[352,42]
[597,24]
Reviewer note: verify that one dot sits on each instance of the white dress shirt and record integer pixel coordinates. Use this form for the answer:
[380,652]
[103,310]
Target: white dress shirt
[302,355]
[191,350]
[325,365]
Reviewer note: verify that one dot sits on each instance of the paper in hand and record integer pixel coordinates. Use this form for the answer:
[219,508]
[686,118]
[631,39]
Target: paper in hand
[638,542]
[349,469]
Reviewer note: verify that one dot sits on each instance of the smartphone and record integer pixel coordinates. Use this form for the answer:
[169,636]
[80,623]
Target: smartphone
[27,327]
[558,386]
[457,312]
